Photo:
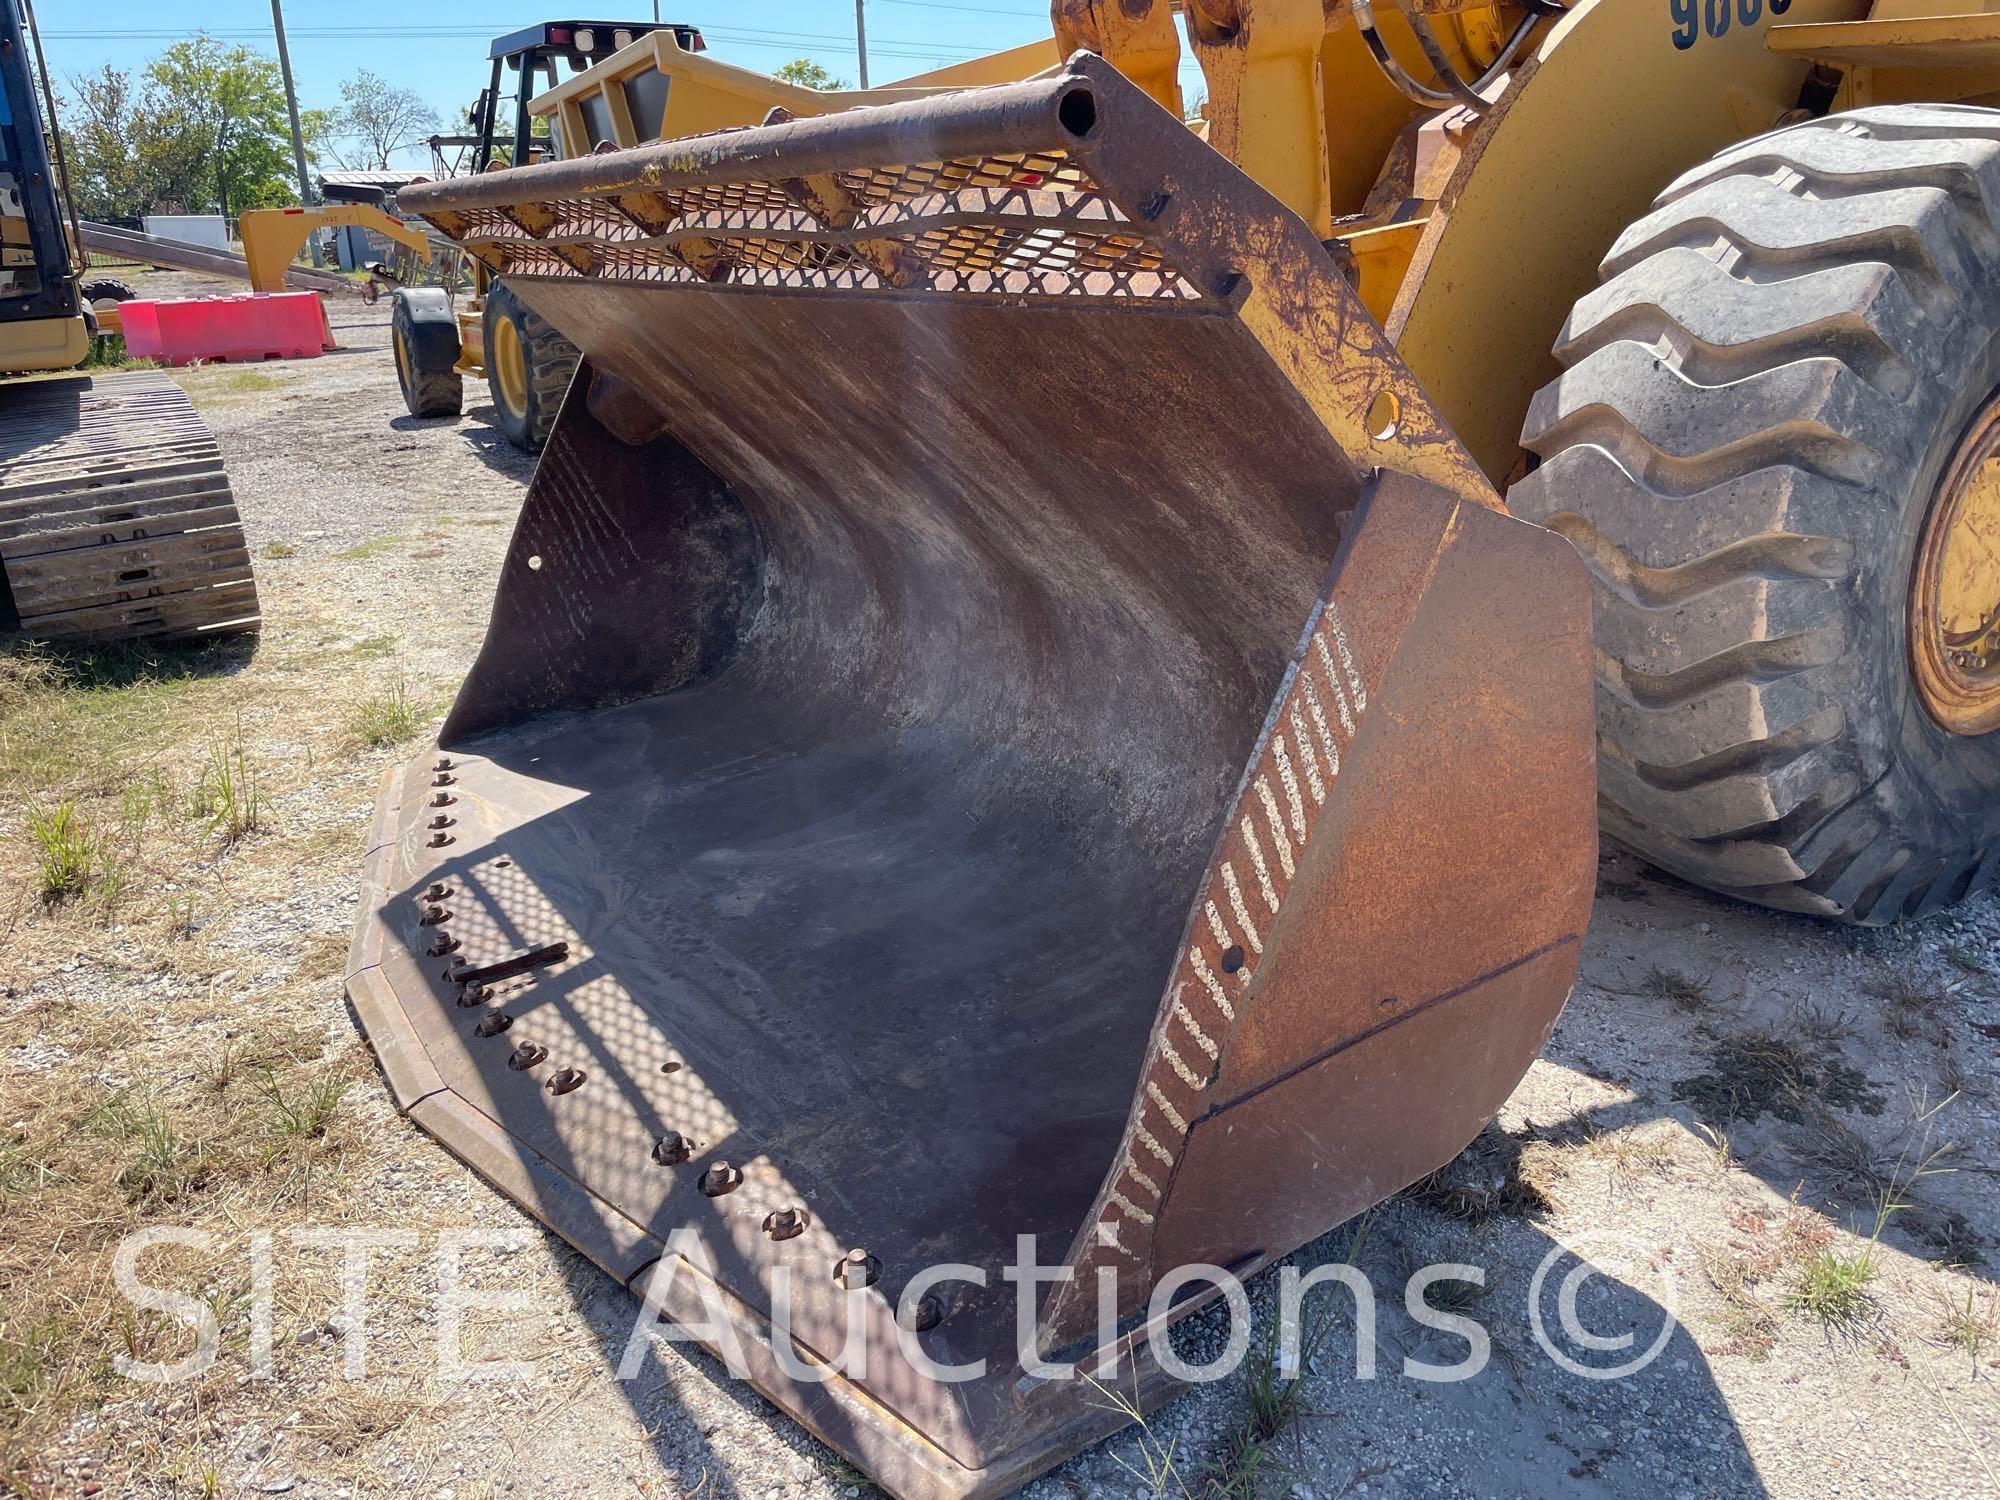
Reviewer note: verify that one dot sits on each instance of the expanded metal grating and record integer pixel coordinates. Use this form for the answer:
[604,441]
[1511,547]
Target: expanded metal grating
[1029,224]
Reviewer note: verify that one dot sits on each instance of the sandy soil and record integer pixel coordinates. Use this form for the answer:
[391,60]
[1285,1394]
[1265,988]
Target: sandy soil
[1735,1092]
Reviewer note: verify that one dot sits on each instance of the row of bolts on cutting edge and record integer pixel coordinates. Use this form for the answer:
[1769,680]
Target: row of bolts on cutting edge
[854,1270]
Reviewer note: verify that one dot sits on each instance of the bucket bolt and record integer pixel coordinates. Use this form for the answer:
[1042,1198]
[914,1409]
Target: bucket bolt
[442,944]
[927,1314]
[786,1223]
[473,994]
[527,1055]
[493,1024]
[720,1178]
[442,820]
[439,840]
[442,763]
[671,1149]
[857,1269]
[438,891]
[434,914]
[565,1080]
[444,778]
[442,799]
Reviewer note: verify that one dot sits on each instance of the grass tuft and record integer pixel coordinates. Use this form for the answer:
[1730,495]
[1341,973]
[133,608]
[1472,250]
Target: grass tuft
[1972,1325]
[226,797]
[278,551]
[1910,1009]
[67,851]
[388,719]
[161,1169]
[1832,1286]
[303,1117]
[1682,991]
[372,548]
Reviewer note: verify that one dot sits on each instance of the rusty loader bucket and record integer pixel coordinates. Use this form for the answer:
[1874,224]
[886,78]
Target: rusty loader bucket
[1007,713]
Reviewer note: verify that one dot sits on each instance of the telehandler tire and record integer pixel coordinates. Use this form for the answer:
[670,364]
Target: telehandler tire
[105,289]
[528,368]
[424,330]
[1774,445]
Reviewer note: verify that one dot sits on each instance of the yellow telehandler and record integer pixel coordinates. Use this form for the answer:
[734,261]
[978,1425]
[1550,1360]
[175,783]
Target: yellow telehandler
[1016,706]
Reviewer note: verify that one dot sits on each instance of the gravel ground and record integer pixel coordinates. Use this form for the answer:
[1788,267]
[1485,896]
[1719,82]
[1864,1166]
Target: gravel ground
[1654,1116]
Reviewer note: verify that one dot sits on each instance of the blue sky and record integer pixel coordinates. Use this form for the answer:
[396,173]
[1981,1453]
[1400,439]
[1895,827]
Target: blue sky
[437,47]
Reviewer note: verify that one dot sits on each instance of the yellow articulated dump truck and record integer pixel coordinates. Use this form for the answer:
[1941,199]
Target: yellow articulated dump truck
[1061,670]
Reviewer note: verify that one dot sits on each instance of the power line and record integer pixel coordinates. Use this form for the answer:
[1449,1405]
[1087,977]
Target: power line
[765,40]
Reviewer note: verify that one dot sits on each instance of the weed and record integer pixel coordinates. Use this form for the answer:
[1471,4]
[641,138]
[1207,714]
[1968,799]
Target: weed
[1627,1155]
[1971,1325]
[389,719]
[1721,1156]
[1967,959]
[372,548]
[207,382]
[107,352]
[1682,991]
[1499,1173]
[278,551]
[375,647]
[26,1351]
[1832,1286]
[21,1172]
[161,1169]
[1749,1320]
[1911,1009]
[1758,1072]
[1451,1295]
[1155,1465]
[180,912]
[1825,1027]
[67,852]
[226,798]
[301,1118]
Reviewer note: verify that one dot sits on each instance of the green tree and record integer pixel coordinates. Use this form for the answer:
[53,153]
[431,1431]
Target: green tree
[228,102]
[129,154]
[809,74]
[382,119]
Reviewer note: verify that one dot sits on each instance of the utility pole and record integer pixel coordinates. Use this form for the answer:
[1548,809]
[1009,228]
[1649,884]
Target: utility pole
[860,40]
[298,135]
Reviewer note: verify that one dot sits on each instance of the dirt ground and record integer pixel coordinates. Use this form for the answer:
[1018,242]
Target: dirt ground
[1782,1129]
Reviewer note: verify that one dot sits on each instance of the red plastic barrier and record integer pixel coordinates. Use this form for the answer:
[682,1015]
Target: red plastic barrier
[252,325]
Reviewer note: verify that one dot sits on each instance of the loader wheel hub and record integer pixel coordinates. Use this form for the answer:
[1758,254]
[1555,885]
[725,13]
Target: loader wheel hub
[1955,590]
[510,366]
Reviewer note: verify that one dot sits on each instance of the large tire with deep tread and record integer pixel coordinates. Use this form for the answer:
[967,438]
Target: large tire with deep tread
[424,329]
[551,362]
[105,289]
[1757,406]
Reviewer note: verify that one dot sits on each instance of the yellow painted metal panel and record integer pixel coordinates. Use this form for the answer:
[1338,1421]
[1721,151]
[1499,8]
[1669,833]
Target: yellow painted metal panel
[273,237]
[44,344]
[705,95]
[1609,110]
[1971,41]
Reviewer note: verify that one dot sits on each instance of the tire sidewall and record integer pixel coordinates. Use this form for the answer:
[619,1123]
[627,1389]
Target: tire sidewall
[517,427]
[1945,787]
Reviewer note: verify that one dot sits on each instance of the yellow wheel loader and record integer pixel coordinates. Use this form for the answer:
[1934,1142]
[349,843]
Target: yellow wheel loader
[116,517]
[1017,714]
[526,362]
